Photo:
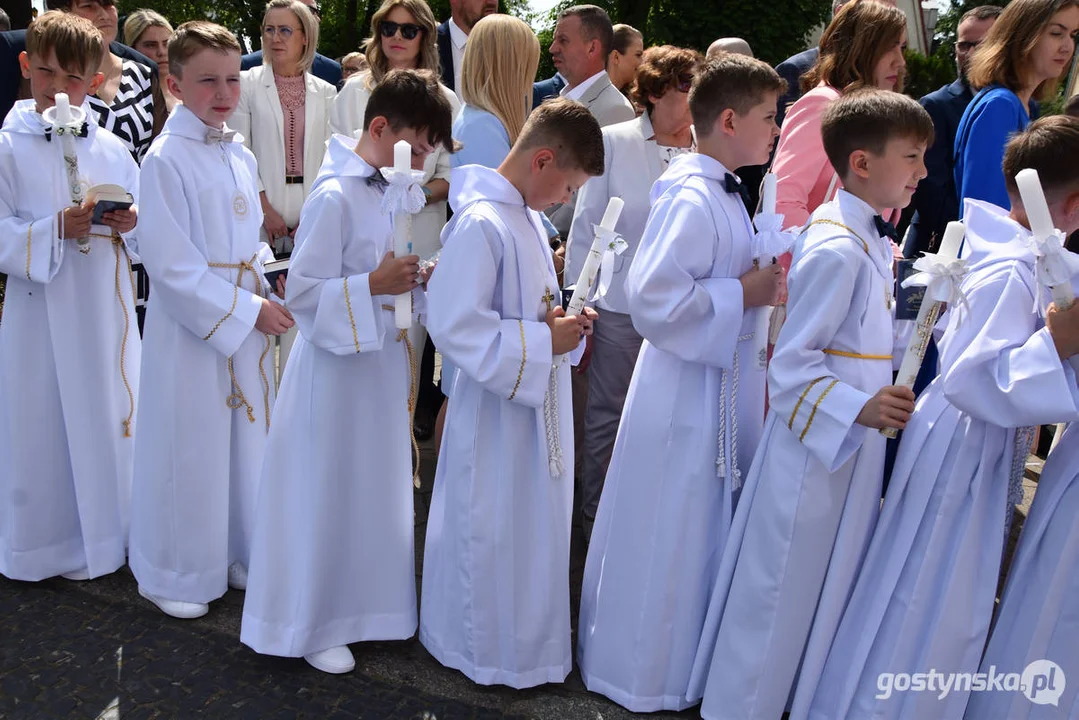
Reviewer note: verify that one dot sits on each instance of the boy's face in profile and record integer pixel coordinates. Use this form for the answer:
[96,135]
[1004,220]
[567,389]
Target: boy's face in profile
[552,184]
[757,130]
[47,78]
[893,175]
[209,85]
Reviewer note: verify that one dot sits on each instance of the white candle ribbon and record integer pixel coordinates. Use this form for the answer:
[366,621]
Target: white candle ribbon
[616,245]
[1051,266]
[941,277]
[404,193]
[770,241]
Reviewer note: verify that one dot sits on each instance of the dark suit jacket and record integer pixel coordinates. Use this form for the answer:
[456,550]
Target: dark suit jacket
[12,86]
[323,68]
[792,69]
[445,54]
[935,201]
[546,89]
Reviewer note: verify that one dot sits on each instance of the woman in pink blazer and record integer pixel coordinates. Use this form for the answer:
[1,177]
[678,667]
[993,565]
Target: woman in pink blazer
[862,47]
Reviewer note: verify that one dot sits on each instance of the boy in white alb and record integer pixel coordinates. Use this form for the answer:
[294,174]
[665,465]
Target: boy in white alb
[69,347]
[208,370]
[695,409]
[332,558]
[812,495]
[495,598]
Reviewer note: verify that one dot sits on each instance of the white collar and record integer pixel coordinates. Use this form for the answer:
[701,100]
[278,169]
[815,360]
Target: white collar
[577,91]
[457,35]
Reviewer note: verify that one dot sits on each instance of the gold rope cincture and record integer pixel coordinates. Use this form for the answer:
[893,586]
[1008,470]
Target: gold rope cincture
[856,356]
[413,389]
[121,256]
[865,246]
[237,399]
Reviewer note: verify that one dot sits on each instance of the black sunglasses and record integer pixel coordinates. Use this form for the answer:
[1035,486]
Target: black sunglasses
[409,31]
[684,82]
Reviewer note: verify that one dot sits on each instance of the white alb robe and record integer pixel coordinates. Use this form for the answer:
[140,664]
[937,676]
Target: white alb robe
[332,555]
[1038,615]
[925,596]
[202,429]
[666,507]
[69,360]
[812,495]
[495,596]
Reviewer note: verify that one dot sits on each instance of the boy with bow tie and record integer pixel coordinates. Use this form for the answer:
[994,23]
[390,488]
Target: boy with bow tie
[208,372]
[69,349]
[812,495]
[695,408]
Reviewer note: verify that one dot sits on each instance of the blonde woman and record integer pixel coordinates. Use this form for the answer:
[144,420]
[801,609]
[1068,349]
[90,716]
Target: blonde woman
[149,32]
[283,116]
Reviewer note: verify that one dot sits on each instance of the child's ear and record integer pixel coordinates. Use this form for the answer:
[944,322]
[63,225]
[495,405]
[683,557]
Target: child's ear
[95,82]
[377,127]
[24,64]
[858,163]
[1071,212]
[727,122]
[173,84]
[541,159]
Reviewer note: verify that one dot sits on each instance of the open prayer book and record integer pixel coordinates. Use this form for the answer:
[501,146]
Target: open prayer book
[108,198]
[275,269]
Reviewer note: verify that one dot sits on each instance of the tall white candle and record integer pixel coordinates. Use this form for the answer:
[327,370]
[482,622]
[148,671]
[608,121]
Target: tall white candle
[402,243]
[63,108]
[927,318]
[1041,226]
[768,194]
[595,257]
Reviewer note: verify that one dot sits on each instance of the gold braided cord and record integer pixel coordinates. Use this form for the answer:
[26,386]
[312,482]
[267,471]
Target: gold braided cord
[29,239]
[797,405]
[823,221]
[815,406]
[265,380]
[413,391]
[856,356]
[351,321]
[524,359]
[118,246]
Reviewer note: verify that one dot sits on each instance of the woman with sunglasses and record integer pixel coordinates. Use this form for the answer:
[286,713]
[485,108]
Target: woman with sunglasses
[403,38]
[284,116]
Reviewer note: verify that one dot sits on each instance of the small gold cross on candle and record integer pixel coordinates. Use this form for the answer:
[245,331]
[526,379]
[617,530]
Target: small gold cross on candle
[548,298]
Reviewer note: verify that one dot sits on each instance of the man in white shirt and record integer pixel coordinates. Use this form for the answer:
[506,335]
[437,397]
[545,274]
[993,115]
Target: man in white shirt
[453,34]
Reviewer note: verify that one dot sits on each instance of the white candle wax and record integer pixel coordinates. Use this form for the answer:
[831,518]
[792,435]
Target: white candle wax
[63,108]
[402,245]
[595,257]
[768,194]
[1037,210]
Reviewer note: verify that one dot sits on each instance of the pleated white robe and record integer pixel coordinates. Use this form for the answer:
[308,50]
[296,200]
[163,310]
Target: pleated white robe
[812,495]
[332,555]
[495,596]
[1038,615]
[202,433]
[69,360]
[697,394]
[926,592]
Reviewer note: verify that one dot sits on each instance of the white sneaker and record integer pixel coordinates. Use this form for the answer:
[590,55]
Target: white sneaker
[82,574]
[237,576]
[177,608]
[335,661]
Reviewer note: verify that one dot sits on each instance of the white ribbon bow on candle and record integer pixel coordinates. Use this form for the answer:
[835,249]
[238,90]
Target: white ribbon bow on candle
[770,241]
[1051,266]
[941,279]
[616,245]
[403,191]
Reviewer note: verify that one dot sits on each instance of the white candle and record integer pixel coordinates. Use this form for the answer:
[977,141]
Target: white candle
[595,257]
[927,318]
[402,244]
[63,109]
[1042,226]
[768,194]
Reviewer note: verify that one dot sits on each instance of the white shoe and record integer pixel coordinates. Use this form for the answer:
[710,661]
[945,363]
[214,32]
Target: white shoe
[177,608]
[82,574]
[237,576]
[335,661]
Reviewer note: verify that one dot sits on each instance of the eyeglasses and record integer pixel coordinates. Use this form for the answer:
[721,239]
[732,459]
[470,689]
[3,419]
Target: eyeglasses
[284,31]
[684,82]
[316,9]
[409,31]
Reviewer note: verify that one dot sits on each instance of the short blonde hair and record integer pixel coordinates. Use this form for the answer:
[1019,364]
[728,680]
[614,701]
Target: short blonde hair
[499,66]
[307,22]
[139,22]
[196,35]
[1005,52]
[421,13]
[78,45]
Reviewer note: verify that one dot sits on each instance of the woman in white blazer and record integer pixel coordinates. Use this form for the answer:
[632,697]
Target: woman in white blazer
[635,154]
[284,116]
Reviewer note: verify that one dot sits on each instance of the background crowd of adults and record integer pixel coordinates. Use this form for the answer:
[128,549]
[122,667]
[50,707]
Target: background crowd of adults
[294,98]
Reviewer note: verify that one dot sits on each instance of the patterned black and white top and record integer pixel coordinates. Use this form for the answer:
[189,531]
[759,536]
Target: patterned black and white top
[131,116]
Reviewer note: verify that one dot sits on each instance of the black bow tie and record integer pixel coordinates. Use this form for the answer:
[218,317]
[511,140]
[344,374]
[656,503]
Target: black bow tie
[83,132]
[736,187]
[377,181]
[885,229]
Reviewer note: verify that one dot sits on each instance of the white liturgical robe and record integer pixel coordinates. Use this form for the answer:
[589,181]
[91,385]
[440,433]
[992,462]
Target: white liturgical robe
[332,556]
[495,597]
[692,420]
[927,590]
[207,374]
[812,495]
[69,359]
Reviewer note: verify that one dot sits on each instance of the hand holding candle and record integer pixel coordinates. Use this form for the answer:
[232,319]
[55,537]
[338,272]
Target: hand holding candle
[64,120]
[402,236]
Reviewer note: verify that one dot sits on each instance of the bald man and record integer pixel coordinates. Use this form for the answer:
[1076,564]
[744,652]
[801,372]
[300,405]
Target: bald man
[738,46]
